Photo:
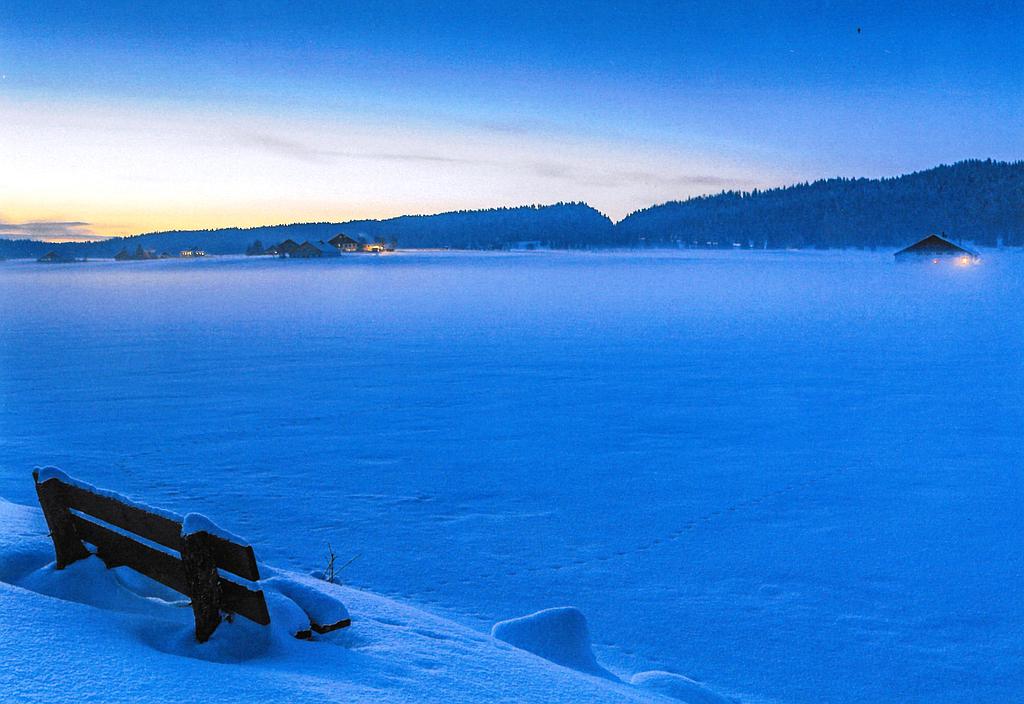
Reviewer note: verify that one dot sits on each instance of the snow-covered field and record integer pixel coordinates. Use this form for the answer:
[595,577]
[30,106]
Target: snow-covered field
[795,477]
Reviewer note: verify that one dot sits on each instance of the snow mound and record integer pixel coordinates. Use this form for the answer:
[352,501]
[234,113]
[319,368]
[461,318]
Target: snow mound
[131,640]
[319,601]
[47,473]
[237,641]
[560,635]
[89,582]
[198,523]
[676,686]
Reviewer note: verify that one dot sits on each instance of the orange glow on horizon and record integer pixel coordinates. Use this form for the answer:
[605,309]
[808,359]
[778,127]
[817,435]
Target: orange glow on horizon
[133,167]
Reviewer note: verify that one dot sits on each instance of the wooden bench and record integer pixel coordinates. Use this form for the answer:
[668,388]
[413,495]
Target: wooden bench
[76,513]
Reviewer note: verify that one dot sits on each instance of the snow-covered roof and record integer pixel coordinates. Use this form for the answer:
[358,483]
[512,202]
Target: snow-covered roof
[327,248]
[340,239]
[934,244]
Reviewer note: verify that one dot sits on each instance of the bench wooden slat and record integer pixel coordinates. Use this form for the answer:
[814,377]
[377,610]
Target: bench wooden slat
[231,557]
[244,601]
[118,550]
[234,558]
[151,526]
[327,628]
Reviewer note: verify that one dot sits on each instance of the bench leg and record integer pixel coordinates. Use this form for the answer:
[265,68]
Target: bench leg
[66,544]
[203,583]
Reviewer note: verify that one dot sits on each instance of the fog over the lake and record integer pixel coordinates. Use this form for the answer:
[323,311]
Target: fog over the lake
[793,475]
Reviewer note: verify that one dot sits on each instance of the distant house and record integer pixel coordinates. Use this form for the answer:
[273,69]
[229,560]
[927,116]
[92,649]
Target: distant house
[343,243]
[331,248]
[327,249]
[140,254]
[287,248]
[53,257]
[306,250]
[193,252]
[936,248]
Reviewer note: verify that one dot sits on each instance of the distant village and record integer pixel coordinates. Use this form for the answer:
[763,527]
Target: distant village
[288,249]
[934,248]
[339,244]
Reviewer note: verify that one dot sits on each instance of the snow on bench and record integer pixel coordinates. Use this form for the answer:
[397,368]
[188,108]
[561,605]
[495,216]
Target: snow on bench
[186,554]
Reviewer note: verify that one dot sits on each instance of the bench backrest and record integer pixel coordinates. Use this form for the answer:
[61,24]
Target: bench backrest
[76,512]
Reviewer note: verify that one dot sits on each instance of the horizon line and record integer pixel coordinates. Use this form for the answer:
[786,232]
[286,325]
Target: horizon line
[97,239]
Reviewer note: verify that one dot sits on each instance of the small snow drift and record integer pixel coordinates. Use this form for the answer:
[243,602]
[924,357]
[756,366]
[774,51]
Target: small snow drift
[560,635]
[320,606]
[676,686]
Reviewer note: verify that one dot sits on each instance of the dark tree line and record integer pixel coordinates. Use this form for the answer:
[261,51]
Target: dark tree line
[563,225]
[974,201]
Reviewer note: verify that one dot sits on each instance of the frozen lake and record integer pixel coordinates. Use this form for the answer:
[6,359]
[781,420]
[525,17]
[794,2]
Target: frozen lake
[794,476]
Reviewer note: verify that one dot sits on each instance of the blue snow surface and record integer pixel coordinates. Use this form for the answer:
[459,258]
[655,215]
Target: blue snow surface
[792,476]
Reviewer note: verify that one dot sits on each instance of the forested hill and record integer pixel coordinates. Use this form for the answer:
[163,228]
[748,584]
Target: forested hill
[980,202]
[974,201]
[559,225]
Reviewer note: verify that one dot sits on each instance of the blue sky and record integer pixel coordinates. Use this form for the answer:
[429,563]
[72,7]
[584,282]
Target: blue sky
[125,117]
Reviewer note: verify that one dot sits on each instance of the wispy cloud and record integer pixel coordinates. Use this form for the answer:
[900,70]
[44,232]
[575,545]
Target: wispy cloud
[49,230]
[305,152]
[612,177]
[556,170]
[289,148]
